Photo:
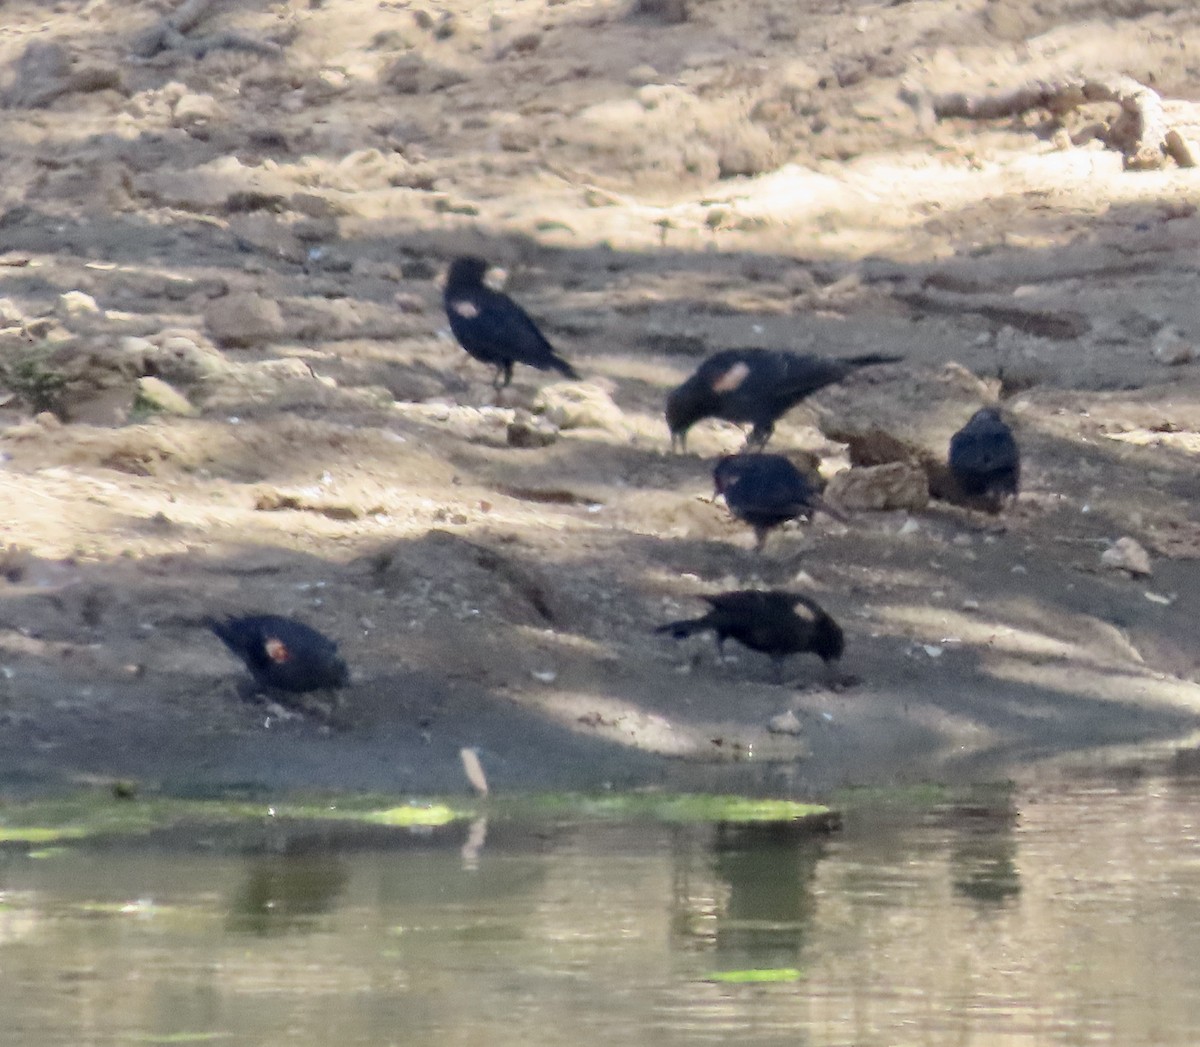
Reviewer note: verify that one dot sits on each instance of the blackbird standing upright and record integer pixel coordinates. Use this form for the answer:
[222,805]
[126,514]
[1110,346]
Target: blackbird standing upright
[283,654]
[984,459]
[776,623]
[765,491]
[492,327]
[756,386]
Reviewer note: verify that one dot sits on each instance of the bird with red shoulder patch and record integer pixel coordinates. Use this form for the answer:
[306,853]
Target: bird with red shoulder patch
[774,622]
[492,328]
[282,654]
[767,490]
[755,387]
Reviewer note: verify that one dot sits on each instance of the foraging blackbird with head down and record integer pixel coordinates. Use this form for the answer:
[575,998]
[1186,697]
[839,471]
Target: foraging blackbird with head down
[283,654]
[984,459]
[776,623]
[765,491]
[492,327]
[755,386]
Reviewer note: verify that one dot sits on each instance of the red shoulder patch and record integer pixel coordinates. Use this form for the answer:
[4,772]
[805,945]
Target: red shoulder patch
[731,379]
[465,308]
[277,650]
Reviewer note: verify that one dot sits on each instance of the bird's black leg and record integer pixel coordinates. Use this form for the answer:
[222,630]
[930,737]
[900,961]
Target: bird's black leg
[757,438]
[760,538]
[720,649]
[777,668]
[508,369]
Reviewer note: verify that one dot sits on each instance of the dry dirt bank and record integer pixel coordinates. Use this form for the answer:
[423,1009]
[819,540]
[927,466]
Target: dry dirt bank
[260,219]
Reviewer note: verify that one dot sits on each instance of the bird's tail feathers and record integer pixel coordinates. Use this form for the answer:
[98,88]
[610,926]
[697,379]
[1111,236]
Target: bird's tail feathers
[870,359]
[218,625]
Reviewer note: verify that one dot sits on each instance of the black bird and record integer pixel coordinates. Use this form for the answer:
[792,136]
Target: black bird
[766,490]
[984,459]
[776,623]
[755,386]
[492,327]
[283,654]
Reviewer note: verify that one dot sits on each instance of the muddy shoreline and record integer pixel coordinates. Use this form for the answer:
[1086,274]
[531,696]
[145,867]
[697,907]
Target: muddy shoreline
[229,387]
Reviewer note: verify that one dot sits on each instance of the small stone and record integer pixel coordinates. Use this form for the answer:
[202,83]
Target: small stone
[77,303]
[525,43]
[641,75]
[241,320]
[544,675]
[194,110]
[10,314]
[1126,554]
[897,485]
[1172,347]
[579,405]
[153,394]
[526,431]
[180,357]
[785,723]
[668,12]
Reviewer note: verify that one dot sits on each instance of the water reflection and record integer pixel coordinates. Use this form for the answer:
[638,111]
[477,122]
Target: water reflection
[288,891]
[1019,917]
[983,852]
[745,891]
[769,871]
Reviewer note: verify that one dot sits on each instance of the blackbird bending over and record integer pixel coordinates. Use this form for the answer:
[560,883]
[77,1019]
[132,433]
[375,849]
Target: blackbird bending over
[283,654]
[766,490]
[776,623]
[756,386]
[491,327]
[984,459]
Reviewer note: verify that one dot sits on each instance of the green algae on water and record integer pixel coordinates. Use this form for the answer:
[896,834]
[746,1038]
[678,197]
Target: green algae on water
[755,976]
[61,821]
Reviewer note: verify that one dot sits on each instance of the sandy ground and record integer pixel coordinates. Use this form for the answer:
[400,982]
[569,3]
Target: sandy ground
[262,221]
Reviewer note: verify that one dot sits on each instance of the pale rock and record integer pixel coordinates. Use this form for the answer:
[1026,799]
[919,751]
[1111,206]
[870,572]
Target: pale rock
[182,357]
[526,431]
[785,723]
[640,75]
[10,313]
[1172,347]
[579,405]
[74,304]
[156,395]
[1126,554]
[897,485]
[244,319]
[194,110]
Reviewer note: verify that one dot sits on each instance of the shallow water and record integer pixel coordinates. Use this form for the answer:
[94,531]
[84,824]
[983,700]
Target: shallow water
[1064,914]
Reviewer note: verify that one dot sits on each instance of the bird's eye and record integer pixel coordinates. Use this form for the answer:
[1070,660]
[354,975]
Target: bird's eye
[277,650]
